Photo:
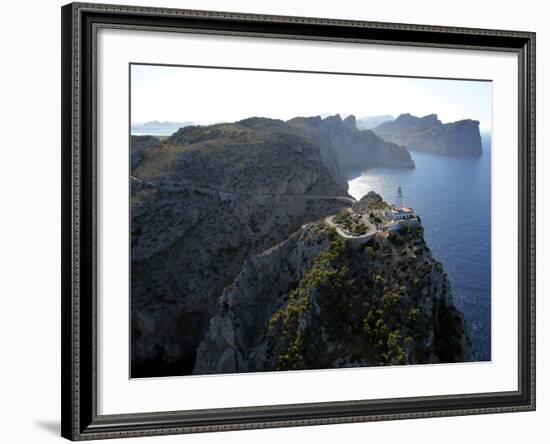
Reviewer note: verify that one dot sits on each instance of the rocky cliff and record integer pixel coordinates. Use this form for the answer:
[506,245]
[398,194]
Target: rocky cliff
[206,199]
[428,133]
[317,300]
[202,203]
[349,149]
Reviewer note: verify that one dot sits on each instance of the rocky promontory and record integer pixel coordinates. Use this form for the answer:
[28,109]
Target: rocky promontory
[317,300]
[207,198]
[428,133]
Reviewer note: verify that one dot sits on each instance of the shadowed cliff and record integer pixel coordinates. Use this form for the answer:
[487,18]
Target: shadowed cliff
[429,134]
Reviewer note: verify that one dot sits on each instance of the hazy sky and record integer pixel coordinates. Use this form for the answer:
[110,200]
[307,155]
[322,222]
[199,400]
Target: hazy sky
[205,95]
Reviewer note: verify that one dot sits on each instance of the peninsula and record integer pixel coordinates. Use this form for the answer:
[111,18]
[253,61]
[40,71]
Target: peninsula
[207,198]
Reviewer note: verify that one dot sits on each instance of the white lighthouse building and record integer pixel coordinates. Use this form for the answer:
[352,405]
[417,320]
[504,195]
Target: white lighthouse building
[399,199]
[400,211]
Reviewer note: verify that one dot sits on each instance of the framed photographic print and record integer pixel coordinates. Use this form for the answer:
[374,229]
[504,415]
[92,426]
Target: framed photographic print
[280,221]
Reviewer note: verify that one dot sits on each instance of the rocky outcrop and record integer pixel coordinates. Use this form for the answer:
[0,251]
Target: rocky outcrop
[428,133]
[318,301]
[350,150]
[236,337]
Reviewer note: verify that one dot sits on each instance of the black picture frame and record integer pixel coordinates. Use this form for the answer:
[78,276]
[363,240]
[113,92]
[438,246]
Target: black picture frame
[80,420]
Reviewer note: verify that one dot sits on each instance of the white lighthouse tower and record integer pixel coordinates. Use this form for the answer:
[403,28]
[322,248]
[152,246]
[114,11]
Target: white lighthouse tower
[399,211]
[399,199]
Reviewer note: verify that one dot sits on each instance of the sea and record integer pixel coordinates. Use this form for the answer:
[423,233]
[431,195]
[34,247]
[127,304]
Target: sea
[452,196]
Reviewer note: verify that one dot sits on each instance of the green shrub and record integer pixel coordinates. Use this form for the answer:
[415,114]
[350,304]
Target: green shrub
[359,309]
[414,313]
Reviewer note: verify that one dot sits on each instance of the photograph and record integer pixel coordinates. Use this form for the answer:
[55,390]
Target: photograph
[283,221]
[275,222]
[293,220]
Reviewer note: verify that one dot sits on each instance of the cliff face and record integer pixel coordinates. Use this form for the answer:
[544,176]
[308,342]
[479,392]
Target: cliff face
[207,198]
[202,202]
[319,301]
[352,150]
[429,134]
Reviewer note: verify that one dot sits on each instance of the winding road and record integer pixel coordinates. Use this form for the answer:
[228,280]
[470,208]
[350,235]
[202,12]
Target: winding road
[178,186]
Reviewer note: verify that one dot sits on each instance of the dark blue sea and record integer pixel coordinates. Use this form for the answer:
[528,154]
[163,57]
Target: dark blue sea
[452,195]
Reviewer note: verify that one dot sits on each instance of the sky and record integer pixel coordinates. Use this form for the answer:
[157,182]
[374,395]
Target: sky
[211,95]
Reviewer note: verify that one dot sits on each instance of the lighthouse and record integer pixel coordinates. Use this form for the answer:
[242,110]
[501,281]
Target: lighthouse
[399,211]
[399,199]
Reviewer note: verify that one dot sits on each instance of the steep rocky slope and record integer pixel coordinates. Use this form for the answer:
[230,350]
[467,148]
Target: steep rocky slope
[352,150]
[319,301]
[429,134]
[202,202]
[198,211]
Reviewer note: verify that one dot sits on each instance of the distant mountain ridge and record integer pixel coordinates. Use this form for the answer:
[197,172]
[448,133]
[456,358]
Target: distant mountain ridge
[156,127]
[344,146]
[428,133]
[370,122]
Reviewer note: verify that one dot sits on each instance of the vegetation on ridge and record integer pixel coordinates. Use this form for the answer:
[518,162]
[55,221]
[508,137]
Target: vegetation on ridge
[364,306]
